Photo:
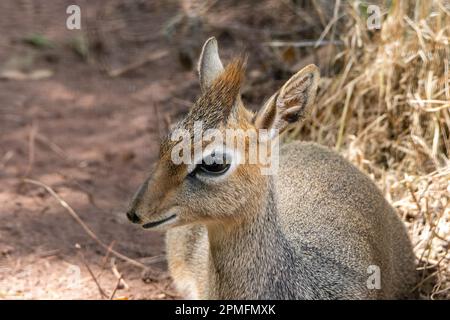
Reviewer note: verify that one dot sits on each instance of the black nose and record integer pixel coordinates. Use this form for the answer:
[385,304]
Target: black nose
[132,216]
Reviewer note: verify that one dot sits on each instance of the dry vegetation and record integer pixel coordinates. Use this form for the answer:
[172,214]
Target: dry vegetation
[387,110]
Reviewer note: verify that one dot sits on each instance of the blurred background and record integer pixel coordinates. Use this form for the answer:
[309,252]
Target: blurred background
[82,110]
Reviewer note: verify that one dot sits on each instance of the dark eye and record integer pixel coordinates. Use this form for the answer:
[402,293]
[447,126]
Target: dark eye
[211,165]
[214,169]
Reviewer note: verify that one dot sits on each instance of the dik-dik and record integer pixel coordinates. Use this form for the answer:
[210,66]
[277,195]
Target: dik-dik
[317,228]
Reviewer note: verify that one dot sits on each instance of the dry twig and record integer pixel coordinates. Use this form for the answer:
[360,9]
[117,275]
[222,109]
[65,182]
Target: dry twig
[77,218]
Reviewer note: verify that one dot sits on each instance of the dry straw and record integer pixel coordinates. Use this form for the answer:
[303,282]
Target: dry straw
[388,111]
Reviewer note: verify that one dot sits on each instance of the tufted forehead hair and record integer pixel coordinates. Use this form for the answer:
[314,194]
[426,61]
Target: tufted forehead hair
[216,103]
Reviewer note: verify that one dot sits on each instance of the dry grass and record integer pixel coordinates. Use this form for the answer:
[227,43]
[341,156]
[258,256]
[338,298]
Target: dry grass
[388,110]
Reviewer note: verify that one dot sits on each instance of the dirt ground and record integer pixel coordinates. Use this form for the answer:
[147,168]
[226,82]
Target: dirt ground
[92,138]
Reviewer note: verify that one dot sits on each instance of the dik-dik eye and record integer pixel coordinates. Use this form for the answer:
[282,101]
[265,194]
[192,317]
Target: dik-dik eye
[214,166]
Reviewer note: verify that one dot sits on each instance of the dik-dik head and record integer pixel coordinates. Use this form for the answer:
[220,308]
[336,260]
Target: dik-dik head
[194,181]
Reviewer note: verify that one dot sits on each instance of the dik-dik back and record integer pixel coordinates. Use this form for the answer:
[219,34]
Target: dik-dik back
[315,228]
[347,235]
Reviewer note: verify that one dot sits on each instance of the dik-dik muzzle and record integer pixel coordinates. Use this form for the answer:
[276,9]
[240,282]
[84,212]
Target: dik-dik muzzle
[153,205]
[141,209]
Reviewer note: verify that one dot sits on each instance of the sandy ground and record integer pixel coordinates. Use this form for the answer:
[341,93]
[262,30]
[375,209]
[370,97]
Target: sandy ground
[92,138]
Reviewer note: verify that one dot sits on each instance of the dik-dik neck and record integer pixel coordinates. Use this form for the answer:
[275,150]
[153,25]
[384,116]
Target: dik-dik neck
[251,258]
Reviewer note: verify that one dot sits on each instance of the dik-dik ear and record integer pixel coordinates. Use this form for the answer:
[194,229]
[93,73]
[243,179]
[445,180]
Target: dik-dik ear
[291,102]
[209,64]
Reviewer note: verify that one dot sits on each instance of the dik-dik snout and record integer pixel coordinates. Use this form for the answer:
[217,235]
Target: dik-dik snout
[152,205]
[177,195]
[135,203]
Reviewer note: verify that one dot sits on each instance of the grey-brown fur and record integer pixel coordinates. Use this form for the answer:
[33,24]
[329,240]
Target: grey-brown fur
[339,225]
[309,232]
[187,251]
[318,246]
[342,222]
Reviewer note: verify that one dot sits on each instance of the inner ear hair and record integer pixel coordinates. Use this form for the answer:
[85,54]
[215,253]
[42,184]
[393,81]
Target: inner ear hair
[265,117]
[291,103]
[297,95]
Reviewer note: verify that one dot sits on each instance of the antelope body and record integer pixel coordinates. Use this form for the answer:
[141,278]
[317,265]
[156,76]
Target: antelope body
[317,229]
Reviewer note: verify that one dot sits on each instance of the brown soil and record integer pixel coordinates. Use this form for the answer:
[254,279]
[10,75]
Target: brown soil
[91,138]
